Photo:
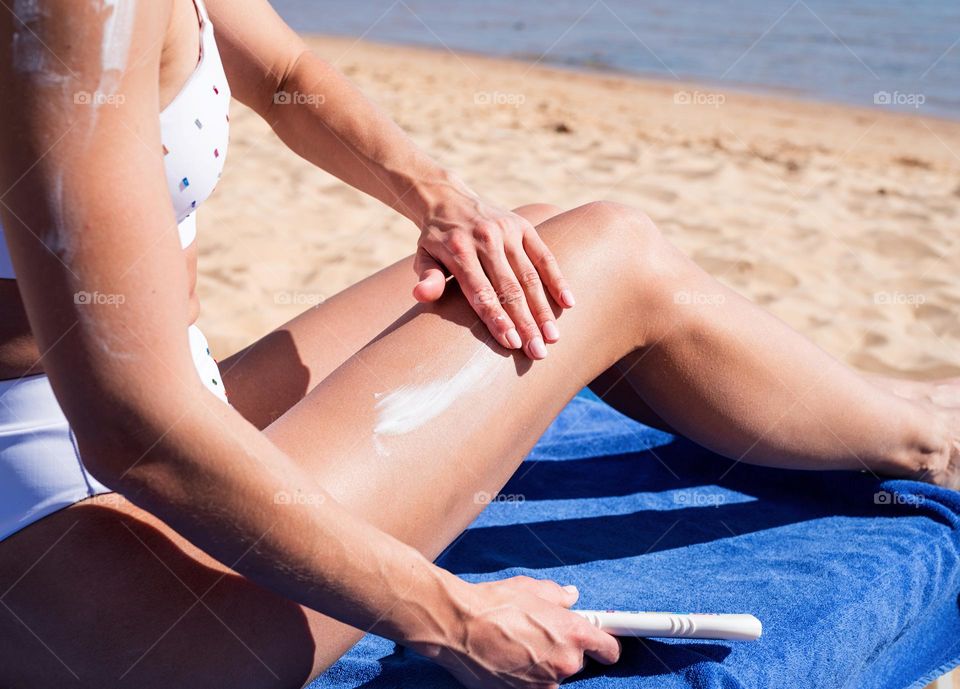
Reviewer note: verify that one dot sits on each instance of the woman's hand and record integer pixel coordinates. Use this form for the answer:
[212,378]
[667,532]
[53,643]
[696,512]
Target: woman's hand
[502,265]
[518,633]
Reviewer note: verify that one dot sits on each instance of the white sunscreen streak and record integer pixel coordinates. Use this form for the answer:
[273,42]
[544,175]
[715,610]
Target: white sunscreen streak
[410,406]
[115,46]
[31,56]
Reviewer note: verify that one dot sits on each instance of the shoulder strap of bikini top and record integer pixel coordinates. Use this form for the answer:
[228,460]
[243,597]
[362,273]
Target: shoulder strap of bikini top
[202,11]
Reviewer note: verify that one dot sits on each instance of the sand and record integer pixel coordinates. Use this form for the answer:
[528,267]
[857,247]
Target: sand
[842,221]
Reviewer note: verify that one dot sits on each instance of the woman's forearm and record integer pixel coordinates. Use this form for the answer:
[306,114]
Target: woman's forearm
[324,118]
[224,486]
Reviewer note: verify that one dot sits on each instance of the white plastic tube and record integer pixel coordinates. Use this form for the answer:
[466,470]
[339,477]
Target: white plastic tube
[675,625]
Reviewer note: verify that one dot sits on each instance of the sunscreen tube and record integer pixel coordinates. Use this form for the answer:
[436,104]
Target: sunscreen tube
[675,625]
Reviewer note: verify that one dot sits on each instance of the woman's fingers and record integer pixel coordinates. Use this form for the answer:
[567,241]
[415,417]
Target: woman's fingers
[513,298]
[432,278]
[548,268]
[594,642]
[476,287]
[533,288]
[506,272]
[599,645]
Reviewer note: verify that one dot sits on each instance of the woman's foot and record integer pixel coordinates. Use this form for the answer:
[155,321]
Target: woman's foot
[948,474]
[938,461]
[945,471]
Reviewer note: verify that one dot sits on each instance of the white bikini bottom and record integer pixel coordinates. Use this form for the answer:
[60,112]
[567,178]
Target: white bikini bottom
[40,468]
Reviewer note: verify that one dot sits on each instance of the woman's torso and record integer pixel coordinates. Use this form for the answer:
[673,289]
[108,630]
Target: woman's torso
[179,88]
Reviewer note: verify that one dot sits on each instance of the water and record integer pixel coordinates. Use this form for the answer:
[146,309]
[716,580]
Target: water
[899,54]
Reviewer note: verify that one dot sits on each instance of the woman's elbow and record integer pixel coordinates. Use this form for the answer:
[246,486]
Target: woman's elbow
[119,441]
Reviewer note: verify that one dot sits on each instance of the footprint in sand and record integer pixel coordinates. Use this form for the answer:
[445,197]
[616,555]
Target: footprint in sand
[909,248]
[656,193]
[941,320]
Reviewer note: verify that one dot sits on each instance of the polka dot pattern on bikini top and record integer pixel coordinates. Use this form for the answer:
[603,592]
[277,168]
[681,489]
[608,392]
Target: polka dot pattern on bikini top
[195,131]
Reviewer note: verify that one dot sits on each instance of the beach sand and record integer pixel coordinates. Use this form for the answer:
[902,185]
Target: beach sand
[842,221]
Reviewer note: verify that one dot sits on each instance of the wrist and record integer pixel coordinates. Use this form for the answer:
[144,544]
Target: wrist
[430,196]
[432,617]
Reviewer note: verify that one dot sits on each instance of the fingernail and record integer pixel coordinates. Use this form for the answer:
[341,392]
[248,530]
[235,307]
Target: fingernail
[513,337]
[537,348]
[572,590]
[551,331]
[567,297]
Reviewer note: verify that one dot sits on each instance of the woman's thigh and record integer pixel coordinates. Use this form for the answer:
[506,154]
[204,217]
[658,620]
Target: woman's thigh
[410,432]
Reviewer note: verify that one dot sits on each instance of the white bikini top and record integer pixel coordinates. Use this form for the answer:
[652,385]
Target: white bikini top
[195,131]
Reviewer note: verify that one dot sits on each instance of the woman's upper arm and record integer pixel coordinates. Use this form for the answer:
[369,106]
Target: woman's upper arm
[86,211]
[258,49]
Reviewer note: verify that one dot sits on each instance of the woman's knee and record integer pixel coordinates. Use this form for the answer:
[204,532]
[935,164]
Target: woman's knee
[622,252]
[536,213]
[621,223]
[627,241]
